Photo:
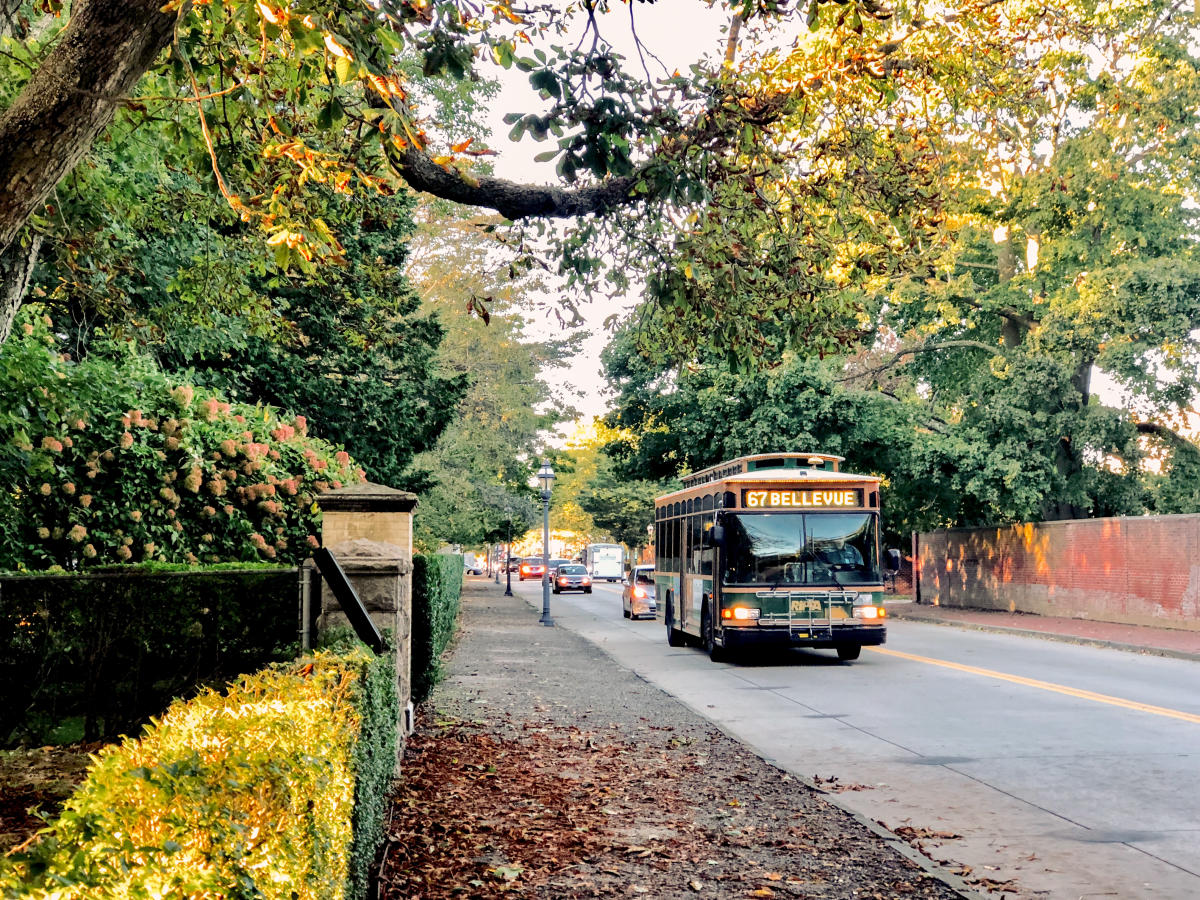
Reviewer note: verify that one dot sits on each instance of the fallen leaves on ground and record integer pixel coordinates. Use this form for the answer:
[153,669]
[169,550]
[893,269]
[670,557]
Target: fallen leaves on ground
[552,810]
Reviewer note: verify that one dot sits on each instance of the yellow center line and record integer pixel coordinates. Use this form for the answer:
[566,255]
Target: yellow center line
[1047,686]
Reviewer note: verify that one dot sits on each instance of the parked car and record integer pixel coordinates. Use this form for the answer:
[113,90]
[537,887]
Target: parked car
[472,570]
[532,567]
[571,577]
[638,596]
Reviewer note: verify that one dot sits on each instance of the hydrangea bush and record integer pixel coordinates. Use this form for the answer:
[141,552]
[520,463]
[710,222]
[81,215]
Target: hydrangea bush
[109,460]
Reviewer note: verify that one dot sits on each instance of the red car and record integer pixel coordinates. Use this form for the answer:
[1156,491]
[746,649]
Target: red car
[532,567]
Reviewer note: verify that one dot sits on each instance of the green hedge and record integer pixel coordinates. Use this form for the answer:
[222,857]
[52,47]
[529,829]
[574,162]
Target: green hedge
[95,655]
[271,790]
[437,589]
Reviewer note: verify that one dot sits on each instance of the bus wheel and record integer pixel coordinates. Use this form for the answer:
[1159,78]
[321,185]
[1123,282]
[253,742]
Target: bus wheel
[715,653]
[675,637]
[848,652]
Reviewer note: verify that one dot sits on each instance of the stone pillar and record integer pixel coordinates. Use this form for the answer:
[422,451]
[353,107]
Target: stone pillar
[369,511]
[368,529]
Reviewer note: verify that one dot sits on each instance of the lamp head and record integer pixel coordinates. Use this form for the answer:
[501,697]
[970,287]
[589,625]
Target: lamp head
[546,475]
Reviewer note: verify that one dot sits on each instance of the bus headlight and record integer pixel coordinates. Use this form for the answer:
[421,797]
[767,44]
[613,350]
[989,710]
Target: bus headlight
[869,612]
[740,614]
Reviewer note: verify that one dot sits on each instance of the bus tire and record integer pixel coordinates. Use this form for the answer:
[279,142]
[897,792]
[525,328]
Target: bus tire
[675,637]
[848,652]
[708,636]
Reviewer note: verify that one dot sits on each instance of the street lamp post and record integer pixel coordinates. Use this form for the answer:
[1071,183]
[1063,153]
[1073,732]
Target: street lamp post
[546,477]
[507,557]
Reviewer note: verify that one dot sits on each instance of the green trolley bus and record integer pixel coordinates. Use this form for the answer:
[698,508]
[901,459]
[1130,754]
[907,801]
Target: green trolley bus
[773,550]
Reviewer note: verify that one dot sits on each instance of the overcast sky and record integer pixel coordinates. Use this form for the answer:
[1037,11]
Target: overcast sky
[679,33]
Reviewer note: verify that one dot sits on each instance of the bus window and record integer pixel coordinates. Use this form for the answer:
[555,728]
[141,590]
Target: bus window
[706,551]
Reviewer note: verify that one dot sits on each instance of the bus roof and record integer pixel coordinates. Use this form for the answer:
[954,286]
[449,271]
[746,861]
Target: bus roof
[793,463]
[762,476]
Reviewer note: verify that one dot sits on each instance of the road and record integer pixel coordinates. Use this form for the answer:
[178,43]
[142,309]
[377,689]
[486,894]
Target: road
[1062,770]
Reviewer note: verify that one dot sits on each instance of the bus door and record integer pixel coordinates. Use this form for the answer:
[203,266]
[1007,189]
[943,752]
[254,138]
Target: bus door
[698,573]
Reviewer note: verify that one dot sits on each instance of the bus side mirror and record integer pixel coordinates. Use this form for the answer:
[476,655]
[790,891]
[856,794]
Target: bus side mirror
[893,560]
[715,536]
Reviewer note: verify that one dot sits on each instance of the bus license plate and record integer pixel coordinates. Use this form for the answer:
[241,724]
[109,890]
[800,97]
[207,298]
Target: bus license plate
[803,607]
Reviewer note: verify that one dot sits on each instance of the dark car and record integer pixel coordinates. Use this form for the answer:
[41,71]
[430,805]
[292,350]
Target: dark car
[555,563]
[532,567]
[572,577]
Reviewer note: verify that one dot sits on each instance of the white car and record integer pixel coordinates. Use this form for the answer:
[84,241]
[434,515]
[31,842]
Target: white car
[638,597]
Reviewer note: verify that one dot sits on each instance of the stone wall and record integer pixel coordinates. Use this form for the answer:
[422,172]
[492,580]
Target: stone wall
[1137,571]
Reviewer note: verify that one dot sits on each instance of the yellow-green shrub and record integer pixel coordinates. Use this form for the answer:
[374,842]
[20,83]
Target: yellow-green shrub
[247,794]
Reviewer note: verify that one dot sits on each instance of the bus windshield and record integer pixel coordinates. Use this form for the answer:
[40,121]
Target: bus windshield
[834,549]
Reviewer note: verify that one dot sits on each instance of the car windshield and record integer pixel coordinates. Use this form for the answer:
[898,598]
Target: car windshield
[836,549]
[572,570]
[531,562]
[643,576]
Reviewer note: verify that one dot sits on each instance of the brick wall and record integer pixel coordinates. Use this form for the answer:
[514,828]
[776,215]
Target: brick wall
[1138,571]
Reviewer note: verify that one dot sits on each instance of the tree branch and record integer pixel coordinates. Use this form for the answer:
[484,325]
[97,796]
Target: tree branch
[104,49]
[1176,440]
[897,358]
[509,198]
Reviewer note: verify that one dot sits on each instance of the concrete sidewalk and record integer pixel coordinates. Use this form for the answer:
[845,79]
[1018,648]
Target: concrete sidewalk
[1173,642]
[706,816]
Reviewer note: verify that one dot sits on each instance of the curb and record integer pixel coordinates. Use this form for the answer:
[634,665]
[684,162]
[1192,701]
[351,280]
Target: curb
[1143,649]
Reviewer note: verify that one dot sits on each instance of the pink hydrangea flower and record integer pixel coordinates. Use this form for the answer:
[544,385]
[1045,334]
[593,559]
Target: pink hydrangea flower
[69,488]
[77,534]
[183,396]
[46,489]
[124,553]
[52,444]
[89,551]
[85,500]
[126,440]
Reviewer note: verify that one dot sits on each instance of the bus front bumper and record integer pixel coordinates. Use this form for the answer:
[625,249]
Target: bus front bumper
[734,638]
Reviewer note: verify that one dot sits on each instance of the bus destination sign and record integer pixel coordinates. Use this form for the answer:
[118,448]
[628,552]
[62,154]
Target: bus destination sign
[826,499]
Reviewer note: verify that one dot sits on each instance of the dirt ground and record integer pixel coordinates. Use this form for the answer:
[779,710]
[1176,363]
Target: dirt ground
[33,781]
[540,768]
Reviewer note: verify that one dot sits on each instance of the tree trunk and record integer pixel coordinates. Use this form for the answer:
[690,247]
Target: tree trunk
[16,268]
[106,46]
[1011,332]
[1067,459]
